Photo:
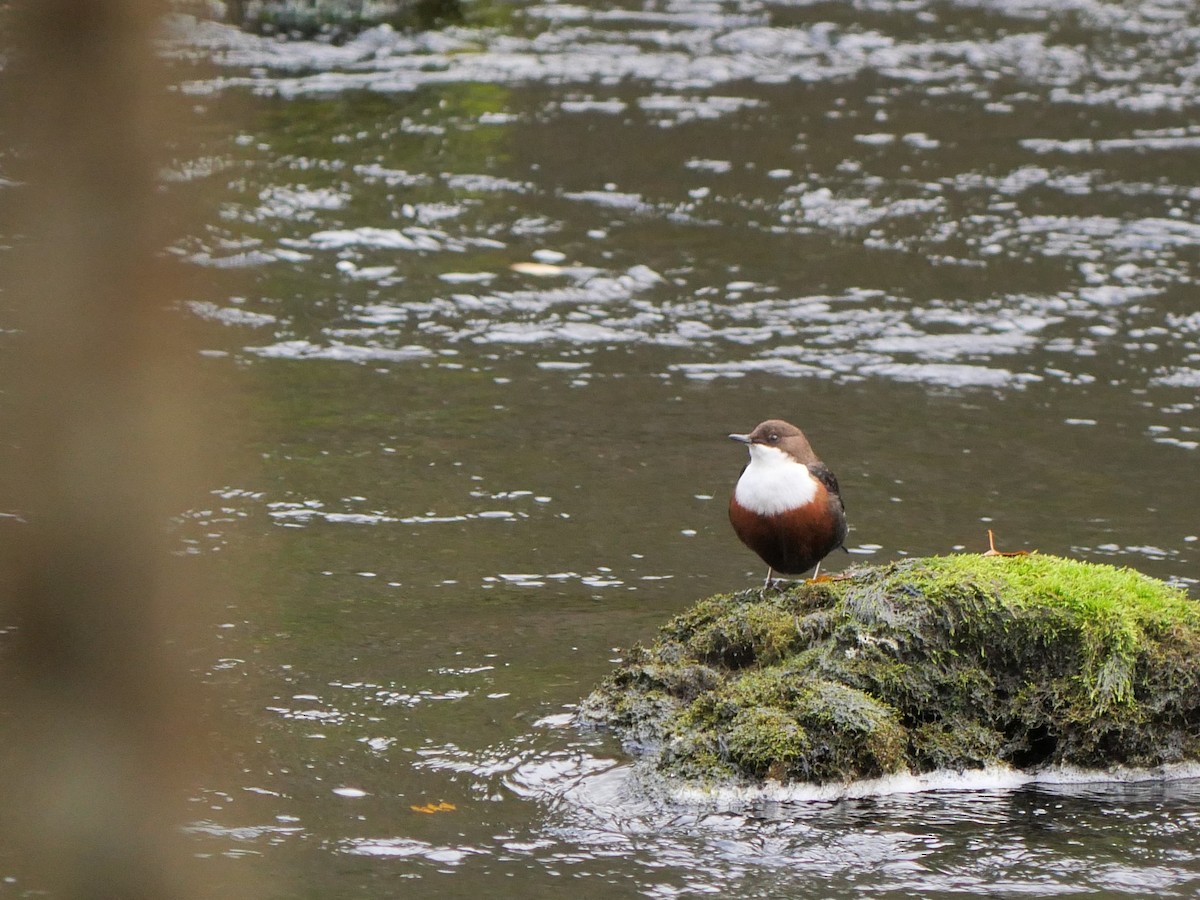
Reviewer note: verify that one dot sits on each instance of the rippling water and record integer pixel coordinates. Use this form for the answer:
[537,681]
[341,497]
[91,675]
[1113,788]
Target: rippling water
[495,295]
[997,179]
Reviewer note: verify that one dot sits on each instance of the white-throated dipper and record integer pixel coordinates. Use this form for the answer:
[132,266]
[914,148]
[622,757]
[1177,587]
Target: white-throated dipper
[786,506]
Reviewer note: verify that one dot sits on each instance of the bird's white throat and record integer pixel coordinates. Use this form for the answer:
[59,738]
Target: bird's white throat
[774,482]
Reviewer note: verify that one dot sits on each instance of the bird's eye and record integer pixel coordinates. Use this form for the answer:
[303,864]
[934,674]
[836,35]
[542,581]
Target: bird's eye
[772,437]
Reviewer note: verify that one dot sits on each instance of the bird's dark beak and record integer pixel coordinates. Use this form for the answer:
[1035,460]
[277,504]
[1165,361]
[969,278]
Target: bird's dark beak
[740,438]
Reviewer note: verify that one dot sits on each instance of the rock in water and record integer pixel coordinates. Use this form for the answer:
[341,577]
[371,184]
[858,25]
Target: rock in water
[958,662]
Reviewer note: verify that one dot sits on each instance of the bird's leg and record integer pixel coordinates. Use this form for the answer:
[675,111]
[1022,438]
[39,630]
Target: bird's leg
[767,583]
[816,572]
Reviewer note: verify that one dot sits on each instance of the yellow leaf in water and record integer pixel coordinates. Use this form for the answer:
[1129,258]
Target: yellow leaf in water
[431,808]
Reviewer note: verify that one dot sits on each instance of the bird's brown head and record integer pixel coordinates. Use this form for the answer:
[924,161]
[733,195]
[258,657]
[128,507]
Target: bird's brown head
[784,436]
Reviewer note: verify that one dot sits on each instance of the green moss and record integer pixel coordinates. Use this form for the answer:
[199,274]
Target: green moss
[949,662]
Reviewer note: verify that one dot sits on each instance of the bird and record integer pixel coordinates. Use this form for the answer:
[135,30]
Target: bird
[786,506]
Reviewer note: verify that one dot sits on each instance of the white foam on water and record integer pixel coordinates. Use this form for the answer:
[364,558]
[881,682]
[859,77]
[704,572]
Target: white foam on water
[610,107]
[335,350]
[1180,376]
[382,238]
[741,368]
[992,778]
[374,172]
[485,183]
[401,848]
[230,315]
[716,166]
[1067,775]
[297,202]
[952,346]
[382,274]
[467,277]
[612,199]
[949,374]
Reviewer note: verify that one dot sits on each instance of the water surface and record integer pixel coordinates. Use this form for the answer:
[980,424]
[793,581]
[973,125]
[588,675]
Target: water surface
[494,295]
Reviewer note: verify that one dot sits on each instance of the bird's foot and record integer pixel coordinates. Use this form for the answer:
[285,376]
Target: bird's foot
[773,584]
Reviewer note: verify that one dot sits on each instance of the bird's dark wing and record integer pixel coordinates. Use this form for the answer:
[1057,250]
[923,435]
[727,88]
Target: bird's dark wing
[827,478]
[830,481]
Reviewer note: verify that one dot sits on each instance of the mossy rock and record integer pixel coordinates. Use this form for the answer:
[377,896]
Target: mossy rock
[958,662]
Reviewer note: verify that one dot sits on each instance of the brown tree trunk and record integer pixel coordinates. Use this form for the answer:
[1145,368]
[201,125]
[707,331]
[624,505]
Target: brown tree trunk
[100,730]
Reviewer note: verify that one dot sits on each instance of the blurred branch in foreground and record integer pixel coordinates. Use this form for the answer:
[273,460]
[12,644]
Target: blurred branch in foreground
[100,444]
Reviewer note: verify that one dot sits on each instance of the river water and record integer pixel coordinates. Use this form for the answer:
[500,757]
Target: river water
[492,297]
